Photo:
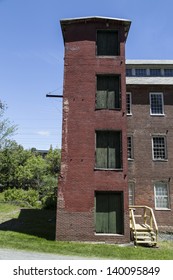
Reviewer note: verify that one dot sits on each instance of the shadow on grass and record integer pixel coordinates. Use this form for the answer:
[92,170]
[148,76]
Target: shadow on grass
[40,223]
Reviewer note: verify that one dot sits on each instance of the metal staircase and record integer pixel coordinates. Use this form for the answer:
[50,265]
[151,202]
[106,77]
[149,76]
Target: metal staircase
[143,225]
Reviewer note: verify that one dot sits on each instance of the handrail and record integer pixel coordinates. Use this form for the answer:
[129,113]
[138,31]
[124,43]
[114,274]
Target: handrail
[132,220]
[152,221]
[133,224]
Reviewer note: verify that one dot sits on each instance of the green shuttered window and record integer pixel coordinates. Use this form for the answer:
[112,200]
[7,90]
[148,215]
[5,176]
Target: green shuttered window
[108,150]
[108,92]
[107,43]
[109,212]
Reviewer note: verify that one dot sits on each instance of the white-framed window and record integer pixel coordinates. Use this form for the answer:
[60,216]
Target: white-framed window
[161,194]
[129,103]
[156,103]
[130,147]
[131,187]
[159,147]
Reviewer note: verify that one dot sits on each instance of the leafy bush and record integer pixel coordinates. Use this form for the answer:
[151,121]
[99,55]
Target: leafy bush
[48,192]
[23,197]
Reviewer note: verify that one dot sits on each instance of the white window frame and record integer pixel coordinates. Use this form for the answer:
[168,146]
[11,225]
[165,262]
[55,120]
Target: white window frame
[130,103]
[166,196]
[165,148]
[156,114]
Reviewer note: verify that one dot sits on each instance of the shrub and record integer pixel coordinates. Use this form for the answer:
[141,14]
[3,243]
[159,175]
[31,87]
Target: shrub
[48,192]
[23,197]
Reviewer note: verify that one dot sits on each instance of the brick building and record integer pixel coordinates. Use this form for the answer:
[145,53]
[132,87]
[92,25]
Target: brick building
[93,186]
[117,147]
[150,136]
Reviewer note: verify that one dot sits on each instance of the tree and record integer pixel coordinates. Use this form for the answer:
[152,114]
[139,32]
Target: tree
[6,128]
[12,158]
[32,172]
[53,159]
[26,169]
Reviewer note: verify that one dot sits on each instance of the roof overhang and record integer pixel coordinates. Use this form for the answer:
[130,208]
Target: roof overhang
[149,80]
[134,80]
[148,62]
[125,22]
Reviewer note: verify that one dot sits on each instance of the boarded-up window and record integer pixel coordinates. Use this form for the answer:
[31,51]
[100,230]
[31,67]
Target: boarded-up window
[107,42]
[108,150]
[108,92]
[109,212]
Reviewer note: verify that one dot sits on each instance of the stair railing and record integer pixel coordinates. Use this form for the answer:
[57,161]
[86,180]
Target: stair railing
[132,219]
[147,218]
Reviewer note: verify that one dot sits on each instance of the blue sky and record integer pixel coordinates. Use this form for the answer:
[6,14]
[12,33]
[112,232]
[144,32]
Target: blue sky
[31,55]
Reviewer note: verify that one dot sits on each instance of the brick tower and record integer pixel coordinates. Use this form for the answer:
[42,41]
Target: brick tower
[92,191]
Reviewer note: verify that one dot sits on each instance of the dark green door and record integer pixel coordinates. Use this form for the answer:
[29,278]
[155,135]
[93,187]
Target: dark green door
[109,212]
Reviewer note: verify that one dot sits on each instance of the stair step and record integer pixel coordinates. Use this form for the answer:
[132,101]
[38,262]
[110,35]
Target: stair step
[144,233]
[145,241]
[142,227]
[144,237]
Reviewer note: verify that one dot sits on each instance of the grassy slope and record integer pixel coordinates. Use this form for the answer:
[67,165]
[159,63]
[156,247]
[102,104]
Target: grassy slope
[34,230]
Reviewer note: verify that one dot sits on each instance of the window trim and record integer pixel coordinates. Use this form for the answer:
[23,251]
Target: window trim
[157,114]
[130,103]
[165,147]
[168,195]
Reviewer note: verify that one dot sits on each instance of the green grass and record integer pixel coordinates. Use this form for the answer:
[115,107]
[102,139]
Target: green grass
[104,251]
[34,230]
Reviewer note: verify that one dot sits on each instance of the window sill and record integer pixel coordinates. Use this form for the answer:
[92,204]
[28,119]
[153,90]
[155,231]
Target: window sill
[157,115]
[107,56]
[162,209]
[108,109]
[108,234]
[160,160]
[129,114]
[130,159]
[108,169]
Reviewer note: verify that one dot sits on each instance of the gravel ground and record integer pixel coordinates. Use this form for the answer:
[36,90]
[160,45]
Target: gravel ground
[165,237]
[12,254]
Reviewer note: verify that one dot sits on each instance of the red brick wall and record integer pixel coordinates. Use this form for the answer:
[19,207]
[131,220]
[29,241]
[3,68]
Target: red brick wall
[143,170]
[78,180]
